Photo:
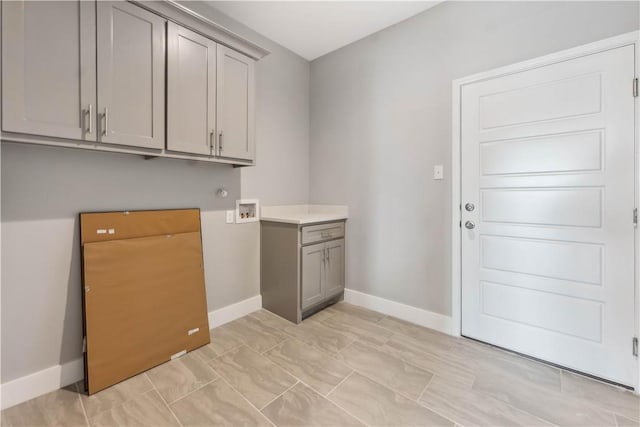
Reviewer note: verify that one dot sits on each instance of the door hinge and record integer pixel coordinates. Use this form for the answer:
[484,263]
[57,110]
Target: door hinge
[635,87]
[460,224]
[635,346]
[84,344]
[635,217]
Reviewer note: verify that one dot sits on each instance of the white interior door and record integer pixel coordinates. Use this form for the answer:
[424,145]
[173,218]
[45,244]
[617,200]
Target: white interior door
[548,165]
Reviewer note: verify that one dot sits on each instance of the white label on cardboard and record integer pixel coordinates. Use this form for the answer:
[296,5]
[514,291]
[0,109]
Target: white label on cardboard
[101,231]
[112,231]
[179,354]
[193,331]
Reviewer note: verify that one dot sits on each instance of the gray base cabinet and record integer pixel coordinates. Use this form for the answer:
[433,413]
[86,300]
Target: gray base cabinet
[302,267]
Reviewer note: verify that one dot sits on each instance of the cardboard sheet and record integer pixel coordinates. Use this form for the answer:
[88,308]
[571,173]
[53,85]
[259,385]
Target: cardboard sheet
[104,226]
[144,297]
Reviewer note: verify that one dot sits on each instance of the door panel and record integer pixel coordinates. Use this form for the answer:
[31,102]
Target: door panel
[548,154]
[131,61]
[236,121]
[48,56]
[548,162]
[334,278]
[191,91]
[565,206]
[312,275]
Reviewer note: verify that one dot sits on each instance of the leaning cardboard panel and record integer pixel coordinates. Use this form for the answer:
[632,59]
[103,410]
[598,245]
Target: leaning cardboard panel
[144,294]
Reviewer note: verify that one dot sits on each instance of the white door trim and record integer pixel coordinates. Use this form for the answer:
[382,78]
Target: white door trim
[632,38]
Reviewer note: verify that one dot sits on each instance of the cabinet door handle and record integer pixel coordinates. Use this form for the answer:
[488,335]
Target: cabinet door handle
[220,144]
[212,141]
[106,121]
[328,259]
[90,114]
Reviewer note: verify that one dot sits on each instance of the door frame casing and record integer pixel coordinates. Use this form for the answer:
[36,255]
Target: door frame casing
[632,38]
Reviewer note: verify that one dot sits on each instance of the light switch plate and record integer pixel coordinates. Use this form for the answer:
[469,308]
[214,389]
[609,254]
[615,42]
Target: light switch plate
[438,172]
[230,216]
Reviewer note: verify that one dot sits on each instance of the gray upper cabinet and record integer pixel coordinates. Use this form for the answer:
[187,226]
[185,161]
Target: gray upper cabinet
[334,267]
[93,75]
[313,275]
[131,75]
[49,68]
[236,112]
[191,91]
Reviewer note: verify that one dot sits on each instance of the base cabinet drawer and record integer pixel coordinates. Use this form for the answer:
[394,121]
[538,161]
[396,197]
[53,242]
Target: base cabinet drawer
[321,232]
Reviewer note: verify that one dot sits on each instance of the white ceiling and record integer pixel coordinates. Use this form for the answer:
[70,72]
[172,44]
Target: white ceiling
[314,28]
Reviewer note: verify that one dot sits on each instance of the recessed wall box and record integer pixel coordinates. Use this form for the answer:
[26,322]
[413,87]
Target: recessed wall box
[247,210]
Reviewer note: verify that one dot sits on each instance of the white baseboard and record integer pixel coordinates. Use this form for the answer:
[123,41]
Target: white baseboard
[41,382]
[51,379]
[234,311]
[419,316]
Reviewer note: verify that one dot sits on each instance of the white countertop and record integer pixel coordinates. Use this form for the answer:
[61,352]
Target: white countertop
[304,214]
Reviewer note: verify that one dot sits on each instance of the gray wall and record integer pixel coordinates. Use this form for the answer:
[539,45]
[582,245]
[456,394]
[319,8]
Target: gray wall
[44,188]
[381,118]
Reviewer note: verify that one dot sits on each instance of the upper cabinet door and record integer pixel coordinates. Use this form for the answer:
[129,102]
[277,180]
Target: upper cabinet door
[49,68]
[191,91]
[236,117]
[131,71]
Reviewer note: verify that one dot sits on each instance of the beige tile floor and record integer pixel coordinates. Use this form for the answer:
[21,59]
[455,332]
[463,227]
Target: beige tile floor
[343,366]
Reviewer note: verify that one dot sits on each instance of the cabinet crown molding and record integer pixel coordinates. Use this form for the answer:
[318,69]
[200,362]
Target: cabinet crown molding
[174,11]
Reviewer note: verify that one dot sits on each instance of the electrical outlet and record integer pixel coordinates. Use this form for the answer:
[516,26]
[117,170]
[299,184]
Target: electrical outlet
[438,172]
[230,216]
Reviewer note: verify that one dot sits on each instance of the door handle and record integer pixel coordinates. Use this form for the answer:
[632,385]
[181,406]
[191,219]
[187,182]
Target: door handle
[106,121]
[469,207]
[220,144]
[212,141]
[90,114]
[470,225]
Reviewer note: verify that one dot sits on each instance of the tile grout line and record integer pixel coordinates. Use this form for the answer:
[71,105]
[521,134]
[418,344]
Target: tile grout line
[276,398]
[224,353]
[400,393]
[425,387]
[84,410]
[193,391]
[455,423]
[274,346]
[399,358]
[164,401]
[332,402]
[247,400]
[515,408]
[340,383]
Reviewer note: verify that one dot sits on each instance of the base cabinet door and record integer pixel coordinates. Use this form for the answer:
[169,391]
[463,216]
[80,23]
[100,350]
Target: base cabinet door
[236,115]
[191,91]
[48,75]
[312,287]
[131,75]
[334,267]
